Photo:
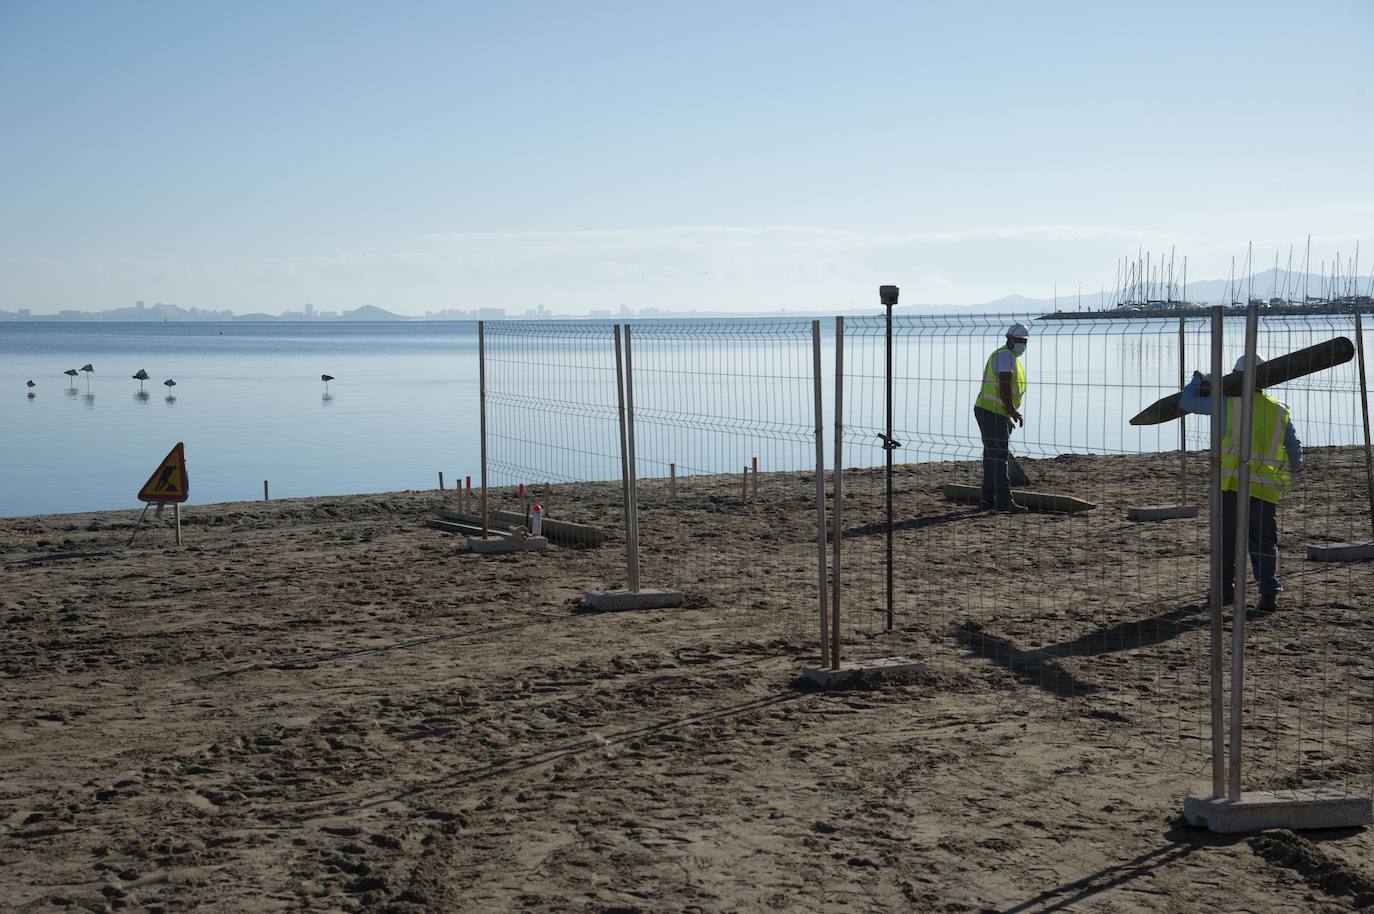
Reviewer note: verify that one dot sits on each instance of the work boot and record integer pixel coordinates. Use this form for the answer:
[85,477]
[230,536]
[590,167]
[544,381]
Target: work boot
[1267,603]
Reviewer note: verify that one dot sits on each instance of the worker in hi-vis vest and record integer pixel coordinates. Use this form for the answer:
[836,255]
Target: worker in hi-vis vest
[997,407]
[1275,459]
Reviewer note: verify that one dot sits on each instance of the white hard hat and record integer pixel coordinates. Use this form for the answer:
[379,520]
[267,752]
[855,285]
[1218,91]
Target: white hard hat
[1240,362]
[1020,331]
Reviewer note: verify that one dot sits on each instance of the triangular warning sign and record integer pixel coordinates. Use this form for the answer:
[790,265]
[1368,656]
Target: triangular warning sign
[169,481]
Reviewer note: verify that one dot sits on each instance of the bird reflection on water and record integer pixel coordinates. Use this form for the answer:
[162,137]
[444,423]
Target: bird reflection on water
[141,396]
[326,399]
[89,400]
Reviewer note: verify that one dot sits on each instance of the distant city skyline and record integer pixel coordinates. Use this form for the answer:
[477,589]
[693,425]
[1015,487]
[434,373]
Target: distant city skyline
[1272,283]
[723,156]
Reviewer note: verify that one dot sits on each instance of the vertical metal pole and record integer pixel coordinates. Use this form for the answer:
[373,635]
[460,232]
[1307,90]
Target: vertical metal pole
[1247,422]
[1218,560]
[176,513]
[1364,412]
[630,453]
[441,482]
[837,510]
[630,576]
[1182,420]
[819,410]
[482,401]
[264,491]
[672,481]
[887,448]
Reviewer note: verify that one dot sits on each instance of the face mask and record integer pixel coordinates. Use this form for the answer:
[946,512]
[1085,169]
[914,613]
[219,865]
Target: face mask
[1018,348]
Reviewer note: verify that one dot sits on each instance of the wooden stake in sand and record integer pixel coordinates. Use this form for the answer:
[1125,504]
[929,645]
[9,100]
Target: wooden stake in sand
[441,482]
[744,485]
[672,481]
[264,491]
[754,465]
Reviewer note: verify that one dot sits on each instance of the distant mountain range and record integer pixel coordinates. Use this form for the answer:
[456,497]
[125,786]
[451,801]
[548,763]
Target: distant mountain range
[1267,284]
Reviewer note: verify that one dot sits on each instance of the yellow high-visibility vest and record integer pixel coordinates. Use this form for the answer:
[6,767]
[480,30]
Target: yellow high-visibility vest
[989,398]
[1269,475]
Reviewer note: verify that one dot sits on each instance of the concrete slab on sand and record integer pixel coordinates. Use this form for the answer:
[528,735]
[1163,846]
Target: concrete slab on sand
[496,545]
[617,600]
[1160,512]
[1340,552]
[827,678]
[1322,807]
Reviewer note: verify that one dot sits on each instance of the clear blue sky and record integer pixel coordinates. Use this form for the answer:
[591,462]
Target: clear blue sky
[425,155]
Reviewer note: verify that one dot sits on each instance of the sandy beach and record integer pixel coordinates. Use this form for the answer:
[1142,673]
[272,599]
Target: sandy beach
[321,705]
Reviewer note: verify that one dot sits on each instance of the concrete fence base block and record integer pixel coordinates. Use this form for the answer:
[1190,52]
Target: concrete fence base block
[617,600]
[827,678]
[496,545]
[1322,807]
[1340,552]
[1160,512]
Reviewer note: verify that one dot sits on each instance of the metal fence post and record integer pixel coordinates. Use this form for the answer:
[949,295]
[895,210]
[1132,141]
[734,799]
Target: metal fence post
[1217,567]
[633,475]
[1247,420]
[1182,420]
[631,571]
[819,409]
[482,400]
[1364,413]
[837,510]
[888,295]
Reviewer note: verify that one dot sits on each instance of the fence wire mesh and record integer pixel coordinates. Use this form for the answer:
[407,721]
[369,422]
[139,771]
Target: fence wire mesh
[725,424]
[1103,616]
[1099,620]
[1309,689]
[553,428]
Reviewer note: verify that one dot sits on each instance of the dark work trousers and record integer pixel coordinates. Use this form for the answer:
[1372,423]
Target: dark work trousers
[996,431]
[1263,543]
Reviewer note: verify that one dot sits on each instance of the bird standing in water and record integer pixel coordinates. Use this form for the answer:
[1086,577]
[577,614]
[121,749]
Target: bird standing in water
[141,377]
[31,387]
[71,373]
[326,378]
[90,370]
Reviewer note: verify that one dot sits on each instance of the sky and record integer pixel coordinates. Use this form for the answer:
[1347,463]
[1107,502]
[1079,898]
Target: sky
[708,155]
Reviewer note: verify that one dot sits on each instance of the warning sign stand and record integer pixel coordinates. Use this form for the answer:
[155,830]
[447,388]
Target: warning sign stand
[169,483]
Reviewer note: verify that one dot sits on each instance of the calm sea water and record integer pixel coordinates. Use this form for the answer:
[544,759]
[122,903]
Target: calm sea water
[249,403]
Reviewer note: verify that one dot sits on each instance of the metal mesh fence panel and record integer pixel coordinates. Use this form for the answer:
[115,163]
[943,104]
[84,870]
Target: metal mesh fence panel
[725,425]
[1309,685]
[1104,616]
[552,428]
[1083,606]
